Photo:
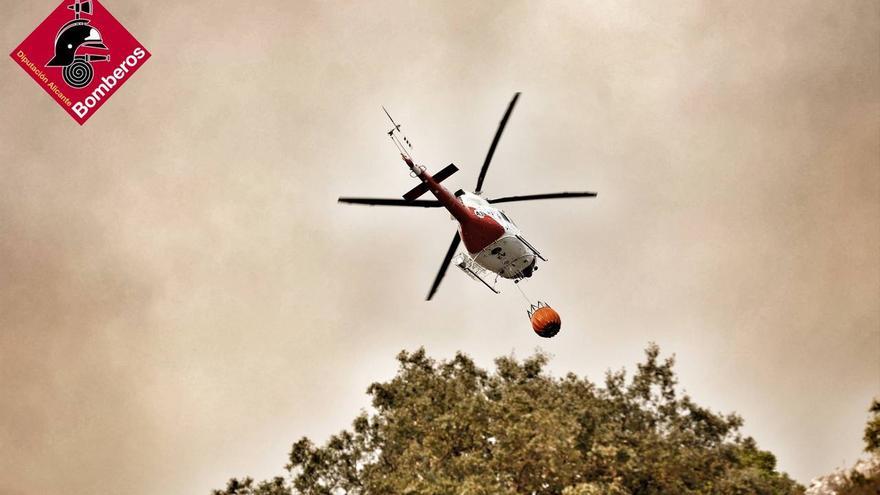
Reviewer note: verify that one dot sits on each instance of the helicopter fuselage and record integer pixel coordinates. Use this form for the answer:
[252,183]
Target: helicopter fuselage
[507,254]
[491,239]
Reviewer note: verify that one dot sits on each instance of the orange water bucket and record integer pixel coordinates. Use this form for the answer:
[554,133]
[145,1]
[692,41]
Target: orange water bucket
[545,320]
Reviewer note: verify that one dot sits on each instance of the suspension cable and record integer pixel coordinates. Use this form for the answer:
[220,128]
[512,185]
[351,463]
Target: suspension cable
[519,287]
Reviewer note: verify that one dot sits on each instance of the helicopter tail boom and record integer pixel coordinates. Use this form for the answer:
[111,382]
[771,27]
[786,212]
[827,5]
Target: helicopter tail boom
[422,188]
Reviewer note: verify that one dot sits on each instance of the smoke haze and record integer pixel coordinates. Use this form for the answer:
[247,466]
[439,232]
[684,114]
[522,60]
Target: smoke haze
[182,297]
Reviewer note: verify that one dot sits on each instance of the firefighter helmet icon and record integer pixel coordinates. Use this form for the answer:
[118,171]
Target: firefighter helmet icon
[73,36]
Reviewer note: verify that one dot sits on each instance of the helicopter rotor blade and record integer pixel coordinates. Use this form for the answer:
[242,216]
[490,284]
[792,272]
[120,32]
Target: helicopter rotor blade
[421,203]
[449,254]
[491,152]
[530,197]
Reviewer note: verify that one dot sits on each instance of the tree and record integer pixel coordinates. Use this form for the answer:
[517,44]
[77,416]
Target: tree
[275,486]
[872,429]
[450,427]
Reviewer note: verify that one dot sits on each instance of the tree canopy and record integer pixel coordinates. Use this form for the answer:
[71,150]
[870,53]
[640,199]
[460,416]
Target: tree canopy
[450,427]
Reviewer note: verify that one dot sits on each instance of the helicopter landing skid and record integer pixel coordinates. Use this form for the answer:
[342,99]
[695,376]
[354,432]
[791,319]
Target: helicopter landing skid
[465,266]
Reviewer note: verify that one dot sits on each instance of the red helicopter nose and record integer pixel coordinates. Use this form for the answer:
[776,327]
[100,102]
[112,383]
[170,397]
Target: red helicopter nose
[546,322]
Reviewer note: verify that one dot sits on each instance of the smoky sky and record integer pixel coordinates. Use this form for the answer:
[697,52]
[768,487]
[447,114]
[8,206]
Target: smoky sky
[181,297]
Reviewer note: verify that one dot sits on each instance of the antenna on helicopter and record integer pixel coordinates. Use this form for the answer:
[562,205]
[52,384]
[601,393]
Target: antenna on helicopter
[396,135]
[396,125]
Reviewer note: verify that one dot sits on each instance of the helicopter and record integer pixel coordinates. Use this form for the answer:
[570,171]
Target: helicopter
[493,243]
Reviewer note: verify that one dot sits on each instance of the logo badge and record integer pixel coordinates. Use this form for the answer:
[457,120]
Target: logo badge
[80,55]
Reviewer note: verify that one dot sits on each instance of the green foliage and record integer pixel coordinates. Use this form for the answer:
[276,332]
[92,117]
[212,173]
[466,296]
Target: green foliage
[275,486]
[872,430]
[860,484]
[452,428]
